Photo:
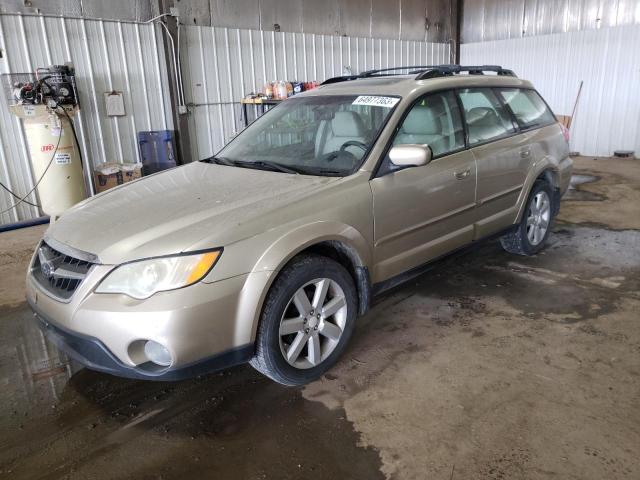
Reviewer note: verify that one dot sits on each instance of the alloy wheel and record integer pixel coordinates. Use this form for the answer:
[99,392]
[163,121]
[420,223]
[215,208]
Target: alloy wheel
[312,323]
[538,218]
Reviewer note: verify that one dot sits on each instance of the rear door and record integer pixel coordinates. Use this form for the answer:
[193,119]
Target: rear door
[423,212]
[502,158]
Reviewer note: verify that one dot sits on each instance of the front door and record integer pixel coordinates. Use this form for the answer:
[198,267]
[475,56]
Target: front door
[421,213]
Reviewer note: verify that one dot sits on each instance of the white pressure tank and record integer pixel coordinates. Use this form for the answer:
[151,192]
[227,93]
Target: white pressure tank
[53,150]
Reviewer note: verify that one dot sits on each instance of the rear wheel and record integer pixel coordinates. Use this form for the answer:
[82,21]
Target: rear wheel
[531,233]
[306,322]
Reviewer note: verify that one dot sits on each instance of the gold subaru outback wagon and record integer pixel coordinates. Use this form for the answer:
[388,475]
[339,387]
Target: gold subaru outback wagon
[269,251]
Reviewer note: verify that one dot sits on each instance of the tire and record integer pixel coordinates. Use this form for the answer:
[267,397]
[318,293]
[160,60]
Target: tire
[523,240]
[286,347]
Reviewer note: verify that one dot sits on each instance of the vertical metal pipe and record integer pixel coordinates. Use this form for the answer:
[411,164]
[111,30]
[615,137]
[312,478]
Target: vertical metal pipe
[315,58]
[256,88]
[143,74]
[94,93]
[373,53]
[333,58]
[273,55]
[387,66]
[219,85]
[205,86]
[324,59]
[127,80]
[264,57]
[295,57]
[242,82]
[160,91]
[283,35]
[457,7]
[107,65]
[304,56]
[229,79]
[45,36]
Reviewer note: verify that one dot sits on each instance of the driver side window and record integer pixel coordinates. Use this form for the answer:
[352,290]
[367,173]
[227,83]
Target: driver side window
[434,120]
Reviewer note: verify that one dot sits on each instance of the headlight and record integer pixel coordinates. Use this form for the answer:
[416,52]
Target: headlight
[144,278]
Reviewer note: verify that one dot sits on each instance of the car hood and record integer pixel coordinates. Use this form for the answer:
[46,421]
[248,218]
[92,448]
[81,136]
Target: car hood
[169,212]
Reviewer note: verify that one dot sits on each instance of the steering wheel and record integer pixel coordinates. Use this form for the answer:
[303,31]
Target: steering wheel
[353,143]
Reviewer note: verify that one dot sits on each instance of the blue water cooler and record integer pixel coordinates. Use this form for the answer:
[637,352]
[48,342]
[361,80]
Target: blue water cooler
[157,151]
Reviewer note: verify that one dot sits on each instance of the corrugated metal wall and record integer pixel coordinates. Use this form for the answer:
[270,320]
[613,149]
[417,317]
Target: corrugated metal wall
[221,65]
[608,60]
[423,20]
[133,10]
[107,55]
[485,20]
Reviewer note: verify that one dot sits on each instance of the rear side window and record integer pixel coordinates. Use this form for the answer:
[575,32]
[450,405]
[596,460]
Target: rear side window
[486,117]
[527,106]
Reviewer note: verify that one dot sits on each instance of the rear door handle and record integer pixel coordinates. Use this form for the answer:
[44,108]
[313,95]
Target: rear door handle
[462,175]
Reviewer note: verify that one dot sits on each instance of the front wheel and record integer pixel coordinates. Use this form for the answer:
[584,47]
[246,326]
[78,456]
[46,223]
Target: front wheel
[306,322]
[531,233]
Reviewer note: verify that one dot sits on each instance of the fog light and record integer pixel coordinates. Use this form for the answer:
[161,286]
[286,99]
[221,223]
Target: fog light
[157,353]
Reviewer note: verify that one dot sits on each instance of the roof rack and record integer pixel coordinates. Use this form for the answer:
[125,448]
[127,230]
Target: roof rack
[424,72]
[394,70]
[446,70]
[382,72]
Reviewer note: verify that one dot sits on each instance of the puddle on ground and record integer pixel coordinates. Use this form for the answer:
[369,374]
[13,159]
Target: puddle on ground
[579,276]
[578,179]
[576,193]
[60,420]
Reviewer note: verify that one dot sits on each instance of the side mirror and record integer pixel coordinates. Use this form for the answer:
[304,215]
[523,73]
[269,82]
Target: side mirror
[410,155]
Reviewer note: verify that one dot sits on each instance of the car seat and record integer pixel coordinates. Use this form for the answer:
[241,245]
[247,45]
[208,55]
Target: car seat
[484,124]
[345,126]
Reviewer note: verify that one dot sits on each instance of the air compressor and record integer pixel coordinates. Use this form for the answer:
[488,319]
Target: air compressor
[46,101]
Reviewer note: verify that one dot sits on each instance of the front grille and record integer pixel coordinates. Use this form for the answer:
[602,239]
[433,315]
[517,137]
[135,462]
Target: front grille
[57,273]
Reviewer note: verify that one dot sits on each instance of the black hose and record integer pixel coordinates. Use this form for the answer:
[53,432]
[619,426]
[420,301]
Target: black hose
[17,197]
[75,136]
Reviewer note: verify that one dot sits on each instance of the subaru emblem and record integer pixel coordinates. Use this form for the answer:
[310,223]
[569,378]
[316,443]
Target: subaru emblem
[47,269]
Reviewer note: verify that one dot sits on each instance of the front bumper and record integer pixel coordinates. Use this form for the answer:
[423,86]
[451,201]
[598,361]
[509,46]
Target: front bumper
[205,327]
[93,354]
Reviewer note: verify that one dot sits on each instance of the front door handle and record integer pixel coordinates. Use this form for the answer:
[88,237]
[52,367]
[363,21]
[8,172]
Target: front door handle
[525,153]
[462,175]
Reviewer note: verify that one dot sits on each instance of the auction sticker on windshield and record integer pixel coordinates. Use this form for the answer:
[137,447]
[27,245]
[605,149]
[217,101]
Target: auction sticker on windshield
[376,101]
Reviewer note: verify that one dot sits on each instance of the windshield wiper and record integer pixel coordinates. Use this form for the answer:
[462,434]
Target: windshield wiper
[220,161]
[324,172]
[273,166]
[268,165]
[261,164]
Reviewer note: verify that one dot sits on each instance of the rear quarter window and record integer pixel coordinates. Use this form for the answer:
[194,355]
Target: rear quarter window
[527,106]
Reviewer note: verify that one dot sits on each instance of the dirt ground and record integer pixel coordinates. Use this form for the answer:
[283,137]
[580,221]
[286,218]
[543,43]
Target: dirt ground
[489,366]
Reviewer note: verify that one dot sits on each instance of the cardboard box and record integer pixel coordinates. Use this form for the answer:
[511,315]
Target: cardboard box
[109,175]
[131,171]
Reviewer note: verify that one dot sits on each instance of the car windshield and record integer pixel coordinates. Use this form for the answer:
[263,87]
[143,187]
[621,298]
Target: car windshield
[319,135]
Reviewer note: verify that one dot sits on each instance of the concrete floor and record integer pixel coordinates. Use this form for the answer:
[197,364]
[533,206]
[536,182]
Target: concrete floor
[490,366]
